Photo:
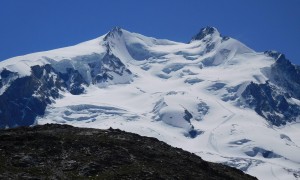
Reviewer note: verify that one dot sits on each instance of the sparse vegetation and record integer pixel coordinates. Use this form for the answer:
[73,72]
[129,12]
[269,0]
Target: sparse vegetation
[66,152]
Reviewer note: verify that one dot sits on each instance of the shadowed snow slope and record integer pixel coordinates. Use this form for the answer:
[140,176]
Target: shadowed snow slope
[214,96]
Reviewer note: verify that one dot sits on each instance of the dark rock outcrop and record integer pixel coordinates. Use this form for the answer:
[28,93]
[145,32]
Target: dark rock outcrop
[73,81]
[273,100]
[116,31]
[286,75]
[27,97]
[206,35]
[271,103]
[102,71]
[207,31]
[66,152]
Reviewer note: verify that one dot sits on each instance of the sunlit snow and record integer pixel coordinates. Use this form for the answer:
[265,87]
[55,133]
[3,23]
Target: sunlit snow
[170,81]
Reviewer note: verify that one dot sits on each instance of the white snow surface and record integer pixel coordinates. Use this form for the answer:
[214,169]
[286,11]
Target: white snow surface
[169,78]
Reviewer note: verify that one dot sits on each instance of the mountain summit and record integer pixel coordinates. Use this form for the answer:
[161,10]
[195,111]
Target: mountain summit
[214,96]
[116,31]
[207,31]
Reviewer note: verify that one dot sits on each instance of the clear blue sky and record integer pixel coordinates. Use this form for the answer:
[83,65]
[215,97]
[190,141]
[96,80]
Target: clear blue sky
[36,25]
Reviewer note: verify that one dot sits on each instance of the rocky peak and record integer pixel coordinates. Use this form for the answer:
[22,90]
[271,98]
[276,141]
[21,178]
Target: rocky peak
[204,32]
[114,32]
[282,60]
[273,54]
[286,75]
[279,58]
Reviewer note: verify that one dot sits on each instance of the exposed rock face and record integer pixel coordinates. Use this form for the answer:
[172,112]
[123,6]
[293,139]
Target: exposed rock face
[22,99]
[116,31]
[104,71]
[65,152]
[207,31]
[273,99]
[73,81]
[27,97]
[286,75]
[271,103]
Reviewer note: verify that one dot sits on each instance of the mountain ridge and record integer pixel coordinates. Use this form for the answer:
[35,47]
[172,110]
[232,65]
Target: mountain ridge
[212,91]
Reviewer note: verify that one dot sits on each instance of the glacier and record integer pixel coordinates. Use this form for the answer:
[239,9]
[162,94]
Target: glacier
[213,96]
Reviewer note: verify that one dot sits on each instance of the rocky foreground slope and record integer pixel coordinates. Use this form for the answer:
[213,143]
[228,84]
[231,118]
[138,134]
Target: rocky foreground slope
[65,152]
[214,96]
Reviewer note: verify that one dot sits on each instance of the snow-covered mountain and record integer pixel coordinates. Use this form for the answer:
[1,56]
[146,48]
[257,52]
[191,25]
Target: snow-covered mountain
[213,96]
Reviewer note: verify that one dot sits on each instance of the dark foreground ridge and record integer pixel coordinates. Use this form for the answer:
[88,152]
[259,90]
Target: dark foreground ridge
[65,152]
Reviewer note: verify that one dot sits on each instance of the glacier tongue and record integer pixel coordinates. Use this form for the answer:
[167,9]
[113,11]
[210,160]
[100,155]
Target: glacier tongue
[214,96]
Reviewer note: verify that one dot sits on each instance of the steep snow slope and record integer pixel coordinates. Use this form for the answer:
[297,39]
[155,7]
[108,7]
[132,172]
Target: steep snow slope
[213,96]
